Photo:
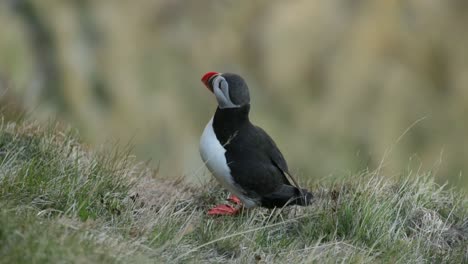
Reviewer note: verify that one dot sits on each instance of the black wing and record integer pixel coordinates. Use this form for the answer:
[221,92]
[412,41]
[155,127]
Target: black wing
[259,168]
[255,161]
[275,154]
[287,193]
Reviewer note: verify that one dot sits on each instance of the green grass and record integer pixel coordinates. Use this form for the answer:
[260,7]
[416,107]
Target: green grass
[62,202]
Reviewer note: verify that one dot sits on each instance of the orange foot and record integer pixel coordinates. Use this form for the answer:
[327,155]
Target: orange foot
[223,209]
[226,209]
[234,199]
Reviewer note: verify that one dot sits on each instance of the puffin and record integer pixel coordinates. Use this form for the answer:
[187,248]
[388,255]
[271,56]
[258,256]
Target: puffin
[242,157]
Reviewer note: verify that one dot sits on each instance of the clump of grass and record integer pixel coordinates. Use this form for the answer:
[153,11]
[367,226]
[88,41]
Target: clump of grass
[28,239]
[394,219]
[365,219]
[47,177]
[61,201]
[52,173]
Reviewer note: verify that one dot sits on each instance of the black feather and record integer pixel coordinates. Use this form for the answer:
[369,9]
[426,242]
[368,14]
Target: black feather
[257,165]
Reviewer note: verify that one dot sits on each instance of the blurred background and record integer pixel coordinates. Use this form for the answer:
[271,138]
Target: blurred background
[342,86]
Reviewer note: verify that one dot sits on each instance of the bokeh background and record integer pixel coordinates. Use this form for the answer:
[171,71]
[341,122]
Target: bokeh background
[342,86]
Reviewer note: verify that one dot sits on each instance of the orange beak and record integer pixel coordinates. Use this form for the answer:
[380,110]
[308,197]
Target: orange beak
[206,79]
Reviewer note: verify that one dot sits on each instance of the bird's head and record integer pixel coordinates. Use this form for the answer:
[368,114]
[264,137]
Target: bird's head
[230,89]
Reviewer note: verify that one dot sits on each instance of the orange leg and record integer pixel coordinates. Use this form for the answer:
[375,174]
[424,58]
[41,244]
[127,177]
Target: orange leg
[234,199]
[223,209]
[226,209]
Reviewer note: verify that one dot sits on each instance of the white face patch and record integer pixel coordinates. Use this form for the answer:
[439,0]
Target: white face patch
[212,154]
[221,91]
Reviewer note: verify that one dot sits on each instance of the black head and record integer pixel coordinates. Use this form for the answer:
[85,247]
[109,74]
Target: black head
[230,89]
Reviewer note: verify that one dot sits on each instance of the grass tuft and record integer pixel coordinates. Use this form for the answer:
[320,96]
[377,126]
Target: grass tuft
[62,202]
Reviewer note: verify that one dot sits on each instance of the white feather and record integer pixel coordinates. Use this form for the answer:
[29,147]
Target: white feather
[212,153]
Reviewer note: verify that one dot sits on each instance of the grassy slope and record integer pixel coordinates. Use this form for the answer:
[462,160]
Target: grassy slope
[61,202]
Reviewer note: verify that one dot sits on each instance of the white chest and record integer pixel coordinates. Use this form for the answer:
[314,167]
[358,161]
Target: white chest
[212,153]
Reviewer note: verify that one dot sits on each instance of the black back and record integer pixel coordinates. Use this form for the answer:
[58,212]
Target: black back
[256,163]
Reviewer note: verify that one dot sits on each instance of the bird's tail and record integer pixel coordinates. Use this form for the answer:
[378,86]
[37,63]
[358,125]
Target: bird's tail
[287,195]
[302,197]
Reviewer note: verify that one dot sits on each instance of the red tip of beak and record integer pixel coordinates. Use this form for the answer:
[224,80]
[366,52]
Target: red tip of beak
[206,78]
